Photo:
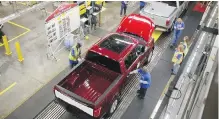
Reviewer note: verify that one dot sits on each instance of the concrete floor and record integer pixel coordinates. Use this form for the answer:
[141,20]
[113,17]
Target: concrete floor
[24,79]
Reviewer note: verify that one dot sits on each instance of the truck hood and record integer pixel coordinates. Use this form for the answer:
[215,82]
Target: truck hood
[138,25]
[159,9]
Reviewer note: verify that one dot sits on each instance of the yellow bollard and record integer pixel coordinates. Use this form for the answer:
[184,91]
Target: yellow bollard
[19,53]
[7,48]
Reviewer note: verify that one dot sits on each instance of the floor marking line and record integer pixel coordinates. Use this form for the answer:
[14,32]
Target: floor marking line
[19,25]
[25,4]
[161,97]
[18,36]
[1,44]
[8,88]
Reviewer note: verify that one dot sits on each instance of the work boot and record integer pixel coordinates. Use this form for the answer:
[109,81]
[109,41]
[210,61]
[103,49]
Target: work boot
[140,97]
[171,46]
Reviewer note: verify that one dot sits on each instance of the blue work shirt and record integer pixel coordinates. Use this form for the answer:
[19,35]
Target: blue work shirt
[124,3]
[178,26]
[142,3]
[145,79]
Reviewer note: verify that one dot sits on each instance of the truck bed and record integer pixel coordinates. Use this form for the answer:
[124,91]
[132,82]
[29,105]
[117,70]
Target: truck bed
[89,81]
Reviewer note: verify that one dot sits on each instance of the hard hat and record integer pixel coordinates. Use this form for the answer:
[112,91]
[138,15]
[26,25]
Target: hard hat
[86,37]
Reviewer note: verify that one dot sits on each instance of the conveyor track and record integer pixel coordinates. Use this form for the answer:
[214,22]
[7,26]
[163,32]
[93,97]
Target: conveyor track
[52,111]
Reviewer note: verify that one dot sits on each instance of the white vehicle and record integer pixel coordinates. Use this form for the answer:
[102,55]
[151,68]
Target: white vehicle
[164,13]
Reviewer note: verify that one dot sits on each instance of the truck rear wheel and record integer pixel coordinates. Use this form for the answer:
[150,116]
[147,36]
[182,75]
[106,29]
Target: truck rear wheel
[113,107]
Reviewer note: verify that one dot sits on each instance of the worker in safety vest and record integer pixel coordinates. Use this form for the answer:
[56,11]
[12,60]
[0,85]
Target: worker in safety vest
[145,81]
[185,45]
[74,55]
[177,59]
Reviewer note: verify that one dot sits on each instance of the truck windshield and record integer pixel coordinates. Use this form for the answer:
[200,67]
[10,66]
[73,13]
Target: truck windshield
[135,36]
[104,61]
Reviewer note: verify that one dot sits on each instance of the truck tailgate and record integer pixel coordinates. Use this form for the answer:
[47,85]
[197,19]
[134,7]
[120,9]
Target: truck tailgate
[73,102]
[159,12]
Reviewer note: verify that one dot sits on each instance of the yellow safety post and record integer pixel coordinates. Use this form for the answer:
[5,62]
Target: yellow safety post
[7,48]
[19,53]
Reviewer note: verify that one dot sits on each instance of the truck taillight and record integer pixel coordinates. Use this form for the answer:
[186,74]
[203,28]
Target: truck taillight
[167,22]
[97,112]
[55,88]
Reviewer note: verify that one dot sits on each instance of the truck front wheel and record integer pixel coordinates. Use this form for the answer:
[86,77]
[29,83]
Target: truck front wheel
[150,57]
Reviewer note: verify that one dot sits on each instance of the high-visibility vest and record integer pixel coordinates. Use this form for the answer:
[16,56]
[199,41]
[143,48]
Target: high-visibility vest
[76,54]
[175,59]
[185,47]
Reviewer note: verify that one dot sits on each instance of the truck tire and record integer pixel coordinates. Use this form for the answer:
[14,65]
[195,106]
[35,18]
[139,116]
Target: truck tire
[114,106]
[170,29]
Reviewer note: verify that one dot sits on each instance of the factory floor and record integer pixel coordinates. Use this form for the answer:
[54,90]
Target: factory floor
[27,88]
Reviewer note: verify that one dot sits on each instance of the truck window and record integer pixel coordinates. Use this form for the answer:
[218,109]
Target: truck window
[135,36]
[103,61]
[131,58]
[140,48]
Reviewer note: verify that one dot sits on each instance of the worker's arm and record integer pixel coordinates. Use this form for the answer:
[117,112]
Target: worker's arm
[134,71]
[144,82]
[183,26]
[175,25]
[79,55]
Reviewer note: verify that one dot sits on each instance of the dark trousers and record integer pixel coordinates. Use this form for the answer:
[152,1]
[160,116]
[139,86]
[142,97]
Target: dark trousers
[123,8]
[73,63]
[141,7]
[93,26]
[142,92]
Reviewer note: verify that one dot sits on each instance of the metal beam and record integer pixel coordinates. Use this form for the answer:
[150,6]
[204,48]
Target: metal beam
[22,12]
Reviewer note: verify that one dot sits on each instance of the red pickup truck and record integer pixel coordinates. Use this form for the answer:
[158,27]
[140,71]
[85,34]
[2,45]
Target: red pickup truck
[94,86]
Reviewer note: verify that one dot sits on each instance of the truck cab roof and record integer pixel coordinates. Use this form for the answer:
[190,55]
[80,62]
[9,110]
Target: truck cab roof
[115,46]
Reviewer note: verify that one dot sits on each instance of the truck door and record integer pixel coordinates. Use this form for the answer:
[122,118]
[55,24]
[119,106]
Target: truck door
[133,58]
